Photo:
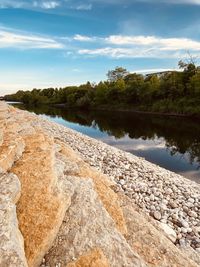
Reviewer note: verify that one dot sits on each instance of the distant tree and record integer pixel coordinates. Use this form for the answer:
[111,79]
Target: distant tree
[189,69]
[134,83]
[195,84]
[101,93]
[120,85]
[116,74]
[171,85]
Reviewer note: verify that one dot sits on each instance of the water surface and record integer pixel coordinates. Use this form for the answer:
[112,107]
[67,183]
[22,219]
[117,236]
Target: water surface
[170,142]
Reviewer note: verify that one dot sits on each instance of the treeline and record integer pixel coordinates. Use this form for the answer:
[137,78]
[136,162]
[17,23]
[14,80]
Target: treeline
[167,92]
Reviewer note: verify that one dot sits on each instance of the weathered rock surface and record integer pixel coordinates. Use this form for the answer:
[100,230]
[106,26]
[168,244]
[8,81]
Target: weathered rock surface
[94,258]
[70,214]
[155,248]
[11,241]
[103,185]
[87,225]
[44,198]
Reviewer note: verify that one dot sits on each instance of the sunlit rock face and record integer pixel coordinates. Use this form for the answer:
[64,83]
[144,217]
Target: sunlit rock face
[11,240]
[57,210]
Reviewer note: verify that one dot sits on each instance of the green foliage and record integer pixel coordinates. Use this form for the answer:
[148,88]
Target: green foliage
[116,74]
[101,93]
[168,92]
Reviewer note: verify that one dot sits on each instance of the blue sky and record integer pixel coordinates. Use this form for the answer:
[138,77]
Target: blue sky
[62,42]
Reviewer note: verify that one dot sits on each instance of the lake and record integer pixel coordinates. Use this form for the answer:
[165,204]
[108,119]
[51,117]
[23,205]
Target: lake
[170,142]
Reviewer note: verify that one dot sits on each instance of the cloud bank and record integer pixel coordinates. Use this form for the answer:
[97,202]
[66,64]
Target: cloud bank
[112,46]
[9,39]
[119,46]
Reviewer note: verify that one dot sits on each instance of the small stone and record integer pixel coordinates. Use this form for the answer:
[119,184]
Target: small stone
[157,193]
[157,215]
[122,181]
[182,242]
[179,236]
[174,217]
[189,230]
[173,204]
[171,234]
[163,207]
[165,201]
[152,208]
[184,224]
[191,200]
[185,208]
[184,230]
[168,191]
[192,213]
[152,197]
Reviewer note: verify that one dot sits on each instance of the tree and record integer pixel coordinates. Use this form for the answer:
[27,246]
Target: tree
[171,85]
[150,89]
[101,93]
[189,70]
[116,74]
[134,83]
[195,84]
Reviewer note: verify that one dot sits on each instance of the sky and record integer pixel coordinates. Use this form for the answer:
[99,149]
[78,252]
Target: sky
[65,42]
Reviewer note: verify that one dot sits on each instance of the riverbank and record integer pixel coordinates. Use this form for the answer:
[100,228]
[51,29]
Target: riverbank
[119,108]
[170,201]
[166,196]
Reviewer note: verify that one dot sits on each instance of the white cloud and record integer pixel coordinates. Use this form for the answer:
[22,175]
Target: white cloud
[84,6]
[116,52]
[26,41]
[163,43]
[119,46]
[83,38]
[46,4]
[128,40]
[144,71]
[11,3]
[137,52]
[114,46]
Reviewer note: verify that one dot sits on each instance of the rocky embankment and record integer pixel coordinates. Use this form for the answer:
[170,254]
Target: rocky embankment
[67,200]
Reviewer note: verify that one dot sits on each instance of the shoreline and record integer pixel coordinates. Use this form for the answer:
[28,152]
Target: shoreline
[125,110]
[129,110]
[165,196]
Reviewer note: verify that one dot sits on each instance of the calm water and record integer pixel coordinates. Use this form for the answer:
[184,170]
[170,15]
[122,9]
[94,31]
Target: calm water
[171,142]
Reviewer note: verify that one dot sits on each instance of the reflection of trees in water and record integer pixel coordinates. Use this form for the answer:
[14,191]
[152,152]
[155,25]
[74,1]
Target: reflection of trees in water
[182,135]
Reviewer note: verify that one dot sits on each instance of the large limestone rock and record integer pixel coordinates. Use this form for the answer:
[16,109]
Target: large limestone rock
[10,151]
[1,135]
[45,196]
[87,225]
[74,165]
[11,241]
[4,111]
